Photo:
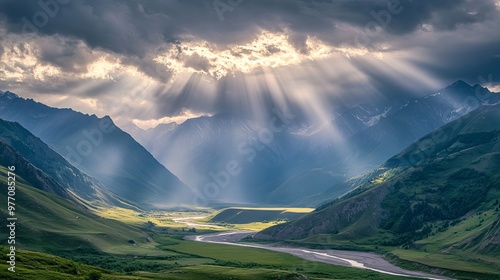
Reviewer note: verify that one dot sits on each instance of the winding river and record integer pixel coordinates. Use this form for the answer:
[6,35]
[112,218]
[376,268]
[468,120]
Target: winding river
[361,260]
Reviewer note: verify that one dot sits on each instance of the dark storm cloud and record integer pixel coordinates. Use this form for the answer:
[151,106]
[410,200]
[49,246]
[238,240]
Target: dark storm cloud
[68,55]
[473,62]
[133,27]
[442,15]
[109,25]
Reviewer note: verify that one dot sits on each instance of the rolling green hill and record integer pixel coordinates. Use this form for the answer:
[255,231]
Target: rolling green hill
[249,215]
[36,265]
[439,196]
[49,223]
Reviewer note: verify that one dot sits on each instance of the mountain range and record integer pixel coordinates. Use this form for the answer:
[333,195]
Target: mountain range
[434,199]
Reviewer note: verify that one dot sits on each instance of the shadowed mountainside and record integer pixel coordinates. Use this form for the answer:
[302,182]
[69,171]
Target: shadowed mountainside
[99,148]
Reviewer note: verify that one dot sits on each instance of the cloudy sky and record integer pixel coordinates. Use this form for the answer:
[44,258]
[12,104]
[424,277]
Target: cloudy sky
[152,61]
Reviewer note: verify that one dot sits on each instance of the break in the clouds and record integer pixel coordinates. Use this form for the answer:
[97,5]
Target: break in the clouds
[152,61]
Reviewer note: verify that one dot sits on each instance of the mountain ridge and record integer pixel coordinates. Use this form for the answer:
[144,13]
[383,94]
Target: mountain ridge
[99,148]
[53,164]
[34,176]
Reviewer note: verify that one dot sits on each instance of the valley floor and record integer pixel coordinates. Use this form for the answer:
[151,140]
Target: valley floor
[355,259]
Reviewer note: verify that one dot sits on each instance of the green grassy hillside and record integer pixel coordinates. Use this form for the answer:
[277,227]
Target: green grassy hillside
[49,223]
[249,215]
[437,202]
[36,265]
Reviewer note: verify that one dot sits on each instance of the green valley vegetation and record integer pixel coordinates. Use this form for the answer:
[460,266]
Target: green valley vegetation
[36,265]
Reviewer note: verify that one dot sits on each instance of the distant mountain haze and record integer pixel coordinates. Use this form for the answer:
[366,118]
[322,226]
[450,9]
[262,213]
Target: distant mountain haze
[301,165]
